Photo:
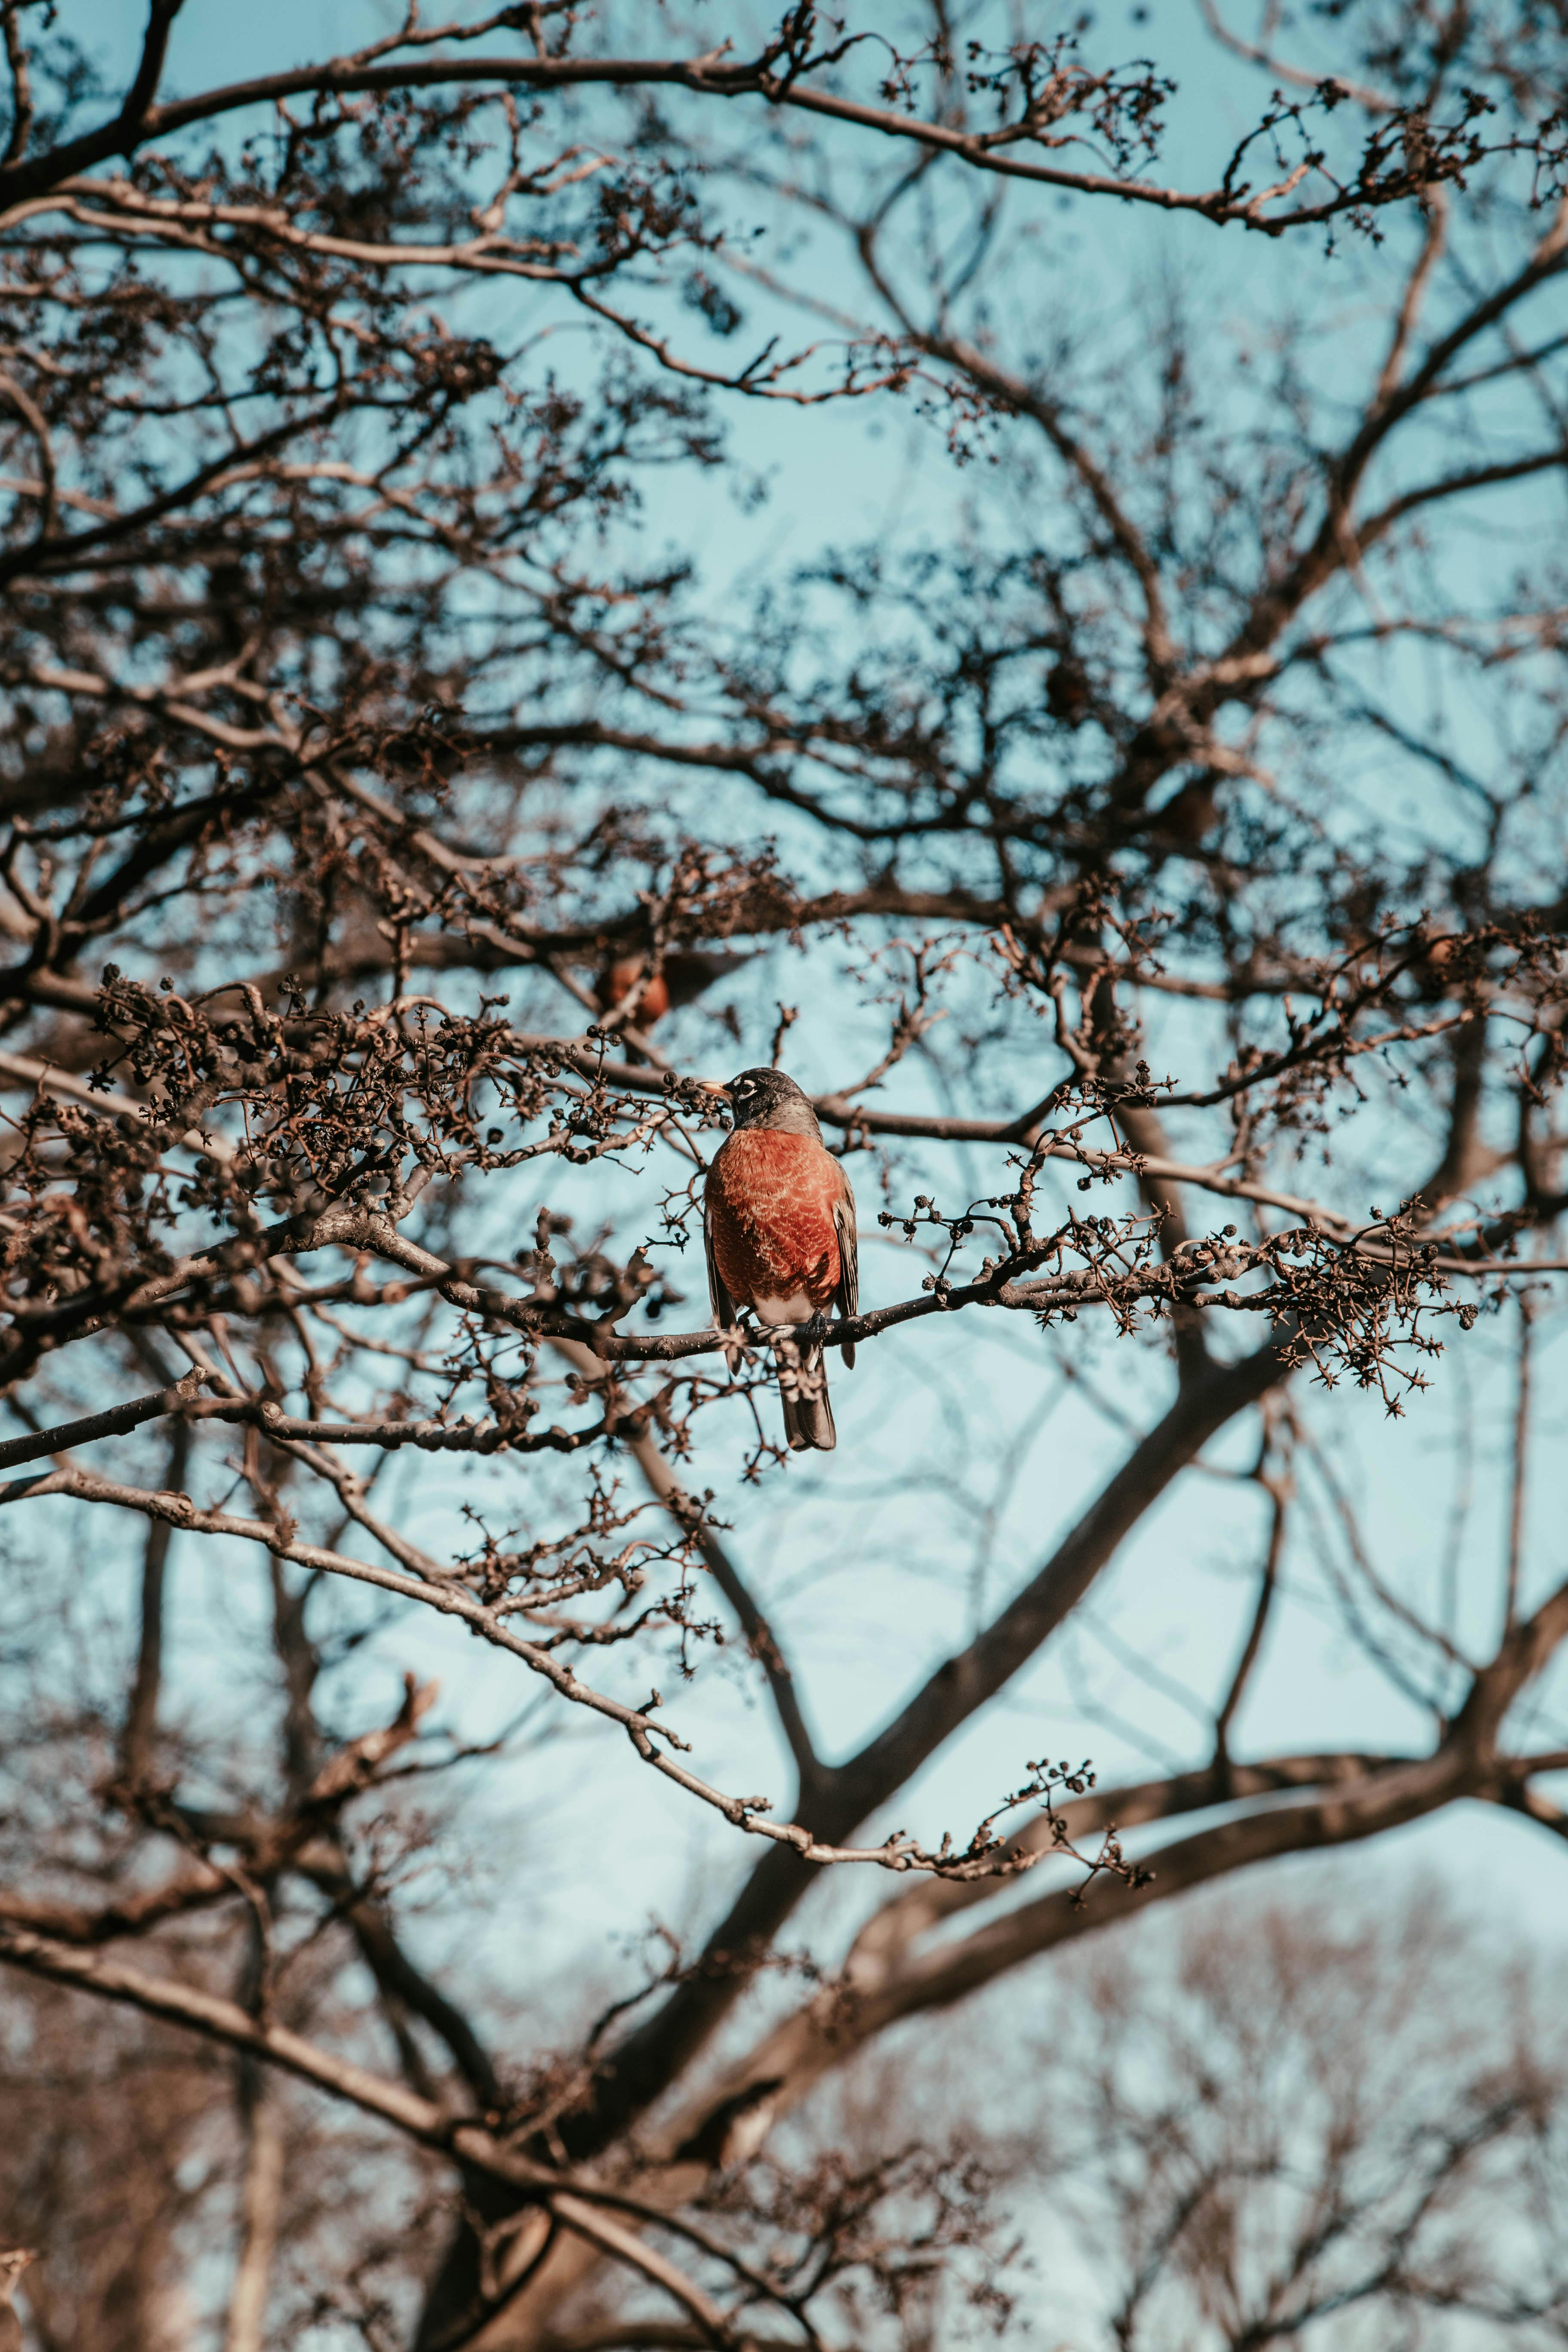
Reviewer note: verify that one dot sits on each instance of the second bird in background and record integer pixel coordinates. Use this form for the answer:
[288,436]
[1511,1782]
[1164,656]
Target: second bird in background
[683,975]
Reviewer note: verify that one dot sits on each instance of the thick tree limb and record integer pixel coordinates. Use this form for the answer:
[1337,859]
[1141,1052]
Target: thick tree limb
[654,2055]
[224,2022]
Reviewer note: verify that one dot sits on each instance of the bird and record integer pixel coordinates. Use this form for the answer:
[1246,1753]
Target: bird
[682,976]
[778,1222]
[12,2266]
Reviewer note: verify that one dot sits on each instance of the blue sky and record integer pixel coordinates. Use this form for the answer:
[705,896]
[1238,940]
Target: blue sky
[874,1564]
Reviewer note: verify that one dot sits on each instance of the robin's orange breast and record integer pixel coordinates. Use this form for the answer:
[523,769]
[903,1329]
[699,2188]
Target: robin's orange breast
[771,1199]
[617,985]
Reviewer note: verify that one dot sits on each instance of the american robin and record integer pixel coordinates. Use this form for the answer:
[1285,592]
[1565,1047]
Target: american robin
[681,979]
[779,1224]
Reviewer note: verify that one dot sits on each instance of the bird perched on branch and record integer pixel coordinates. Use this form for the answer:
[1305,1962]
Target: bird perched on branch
[779,1225]
[12,2266]
[682,977]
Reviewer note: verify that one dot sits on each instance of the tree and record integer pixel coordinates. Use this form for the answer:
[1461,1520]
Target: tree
[1171,833]
[1284,2123]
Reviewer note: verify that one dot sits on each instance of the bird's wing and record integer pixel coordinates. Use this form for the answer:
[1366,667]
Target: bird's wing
[722,1304]
[846,1298]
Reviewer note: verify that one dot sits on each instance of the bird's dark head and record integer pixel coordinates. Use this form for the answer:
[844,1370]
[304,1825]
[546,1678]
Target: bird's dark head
[767,1098]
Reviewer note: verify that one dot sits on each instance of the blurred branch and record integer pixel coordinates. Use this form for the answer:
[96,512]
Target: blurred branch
[226,2023]
[1277,1487]
[142,1713]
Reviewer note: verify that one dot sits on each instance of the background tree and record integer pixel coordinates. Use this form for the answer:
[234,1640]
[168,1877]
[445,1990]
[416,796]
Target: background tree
[1162,834]
[1273,2123]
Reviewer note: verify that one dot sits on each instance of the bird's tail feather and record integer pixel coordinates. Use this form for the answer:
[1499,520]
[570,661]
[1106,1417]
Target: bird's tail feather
[803,1391]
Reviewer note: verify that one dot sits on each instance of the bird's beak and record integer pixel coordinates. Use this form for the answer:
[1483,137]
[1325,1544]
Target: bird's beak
[723,1092]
